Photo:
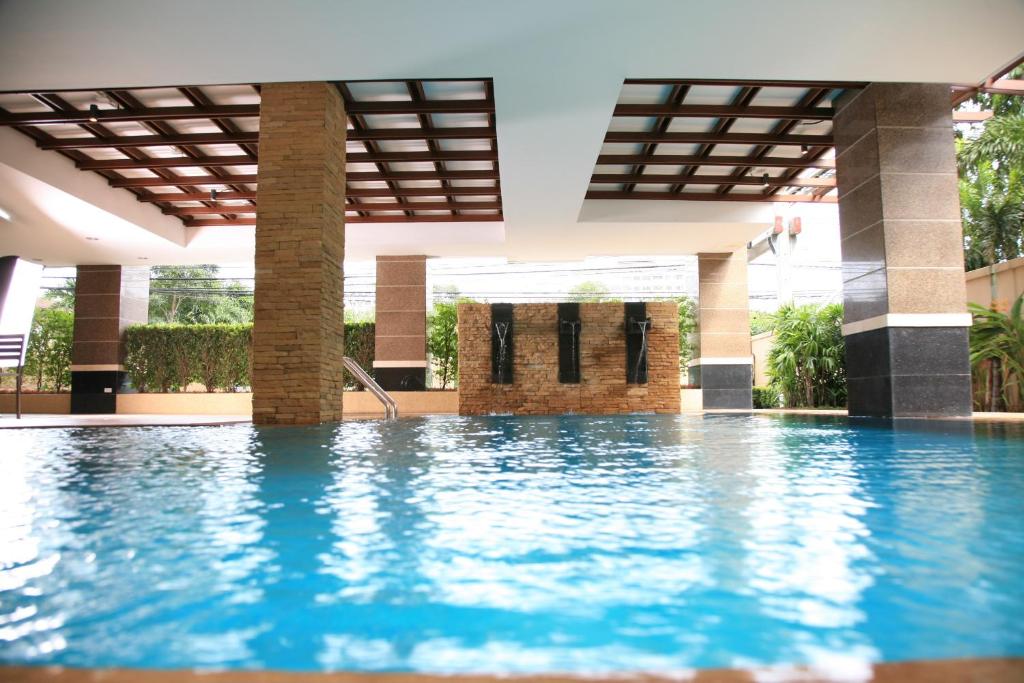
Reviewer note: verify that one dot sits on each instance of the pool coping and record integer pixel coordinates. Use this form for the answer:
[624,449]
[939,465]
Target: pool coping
[989,670]
[63,421]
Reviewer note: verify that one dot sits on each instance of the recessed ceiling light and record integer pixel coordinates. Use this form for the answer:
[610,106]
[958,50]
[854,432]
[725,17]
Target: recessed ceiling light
[93,239]
[4,215]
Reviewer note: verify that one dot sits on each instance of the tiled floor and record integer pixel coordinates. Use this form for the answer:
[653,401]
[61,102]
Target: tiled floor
[8,421]
[1010,670]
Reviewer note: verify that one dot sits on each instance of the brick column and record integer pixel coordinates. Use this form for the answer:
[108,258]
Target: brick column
[400,344]
[300,245]
[724,367]
[107,300]
[903,271]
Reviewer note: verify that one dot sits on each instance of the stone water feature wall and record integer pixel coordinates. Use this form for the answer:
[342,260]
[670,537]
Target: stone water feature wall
[535,389]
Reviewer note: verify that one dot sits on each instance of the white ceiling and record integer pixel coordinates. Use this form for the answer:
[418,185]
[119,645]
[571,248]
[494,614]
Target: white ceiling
[558,69]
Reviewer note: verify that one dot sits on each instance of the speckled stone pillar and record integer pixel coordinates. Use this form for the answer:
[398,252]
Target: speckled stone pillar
[107,300]
[903,272]
[300,245]
[400,334]
[724,367]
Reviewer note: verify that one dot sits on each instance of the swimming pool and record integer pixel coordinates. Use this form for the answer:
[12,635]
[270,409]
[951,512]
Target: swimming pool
[502,544]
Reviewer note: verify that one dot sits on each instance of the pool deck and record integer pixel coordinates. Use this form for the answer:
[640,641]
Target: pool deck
[1010,670]
[8,421]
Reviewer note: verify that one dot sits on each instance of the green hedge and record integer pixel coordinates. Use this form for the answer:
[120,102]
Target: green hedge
[359,345]
[766,397]
[166,358]
[163,358]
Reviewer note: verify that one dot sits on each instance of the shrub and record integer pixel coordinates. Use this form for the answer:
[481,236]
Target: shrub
[807,362]
[48,356]
[359,345]
[766,397]
[997,357]
[164,358]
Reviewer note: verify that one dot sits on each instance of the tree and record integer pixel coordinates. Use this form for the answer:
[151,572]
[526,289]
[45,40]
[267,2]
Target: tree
[443,343]
[807,361]
[687,327]
[760,322]
[992,208]
[195,295]
[1002,142]
[48,356]
[589,292]
[997,356]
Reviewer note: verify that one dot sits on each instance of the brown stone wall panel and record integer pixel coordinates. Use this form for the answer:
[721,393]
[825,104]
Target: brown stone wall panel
[865,296]
[97,306]
[298,332]
[98,280]
[857,163]
[97,330]
[96,353]
[736,345]
[917,196]
[916,150]
[390,323]
[725,320]
[402,272]
[912,105]
[854,118]
[729,295]
[926,290]
[860,207]
[935,243]
[413,347]
[402,298]
[725,268]
[864,252]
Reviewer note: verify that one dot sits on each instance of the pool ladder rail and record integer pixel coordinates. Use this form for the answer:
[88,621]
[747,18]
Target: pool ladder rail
[390,405]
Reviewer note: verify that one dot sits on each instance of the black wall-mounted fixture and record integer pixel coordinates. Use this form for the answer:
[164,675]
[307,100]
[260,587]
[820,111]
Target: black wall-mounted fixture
[638,327]
[502,339]
[569,328]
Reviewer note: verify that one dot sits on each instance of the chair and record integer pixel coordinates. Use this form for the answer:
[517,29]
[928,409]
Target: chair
[12,347]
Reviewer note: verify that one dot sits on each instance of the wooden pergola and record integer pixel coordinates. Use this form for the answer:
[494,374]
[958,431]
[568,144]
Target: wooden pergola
[417,150]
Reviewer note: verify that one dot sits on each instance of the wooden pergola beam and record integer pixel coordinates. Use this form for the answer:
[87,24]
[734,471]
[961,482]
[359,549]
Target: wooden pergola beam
[691,160]
[713,138]
[708,196]
[460,218]
[249,179]
[442,174]
[457,133]
[387,157]
[419,192]
[164,162]
[206,210]
[484,106]
[746,82]
[152,140]
[199,197]
[131,114]
[724,110]
[658,179]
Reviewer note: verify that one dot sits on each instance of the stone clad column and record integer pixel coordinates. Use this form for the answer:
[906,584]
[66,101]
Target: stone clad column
[300,245]
[107,300]
[724,367]
[903,272]
[400,344]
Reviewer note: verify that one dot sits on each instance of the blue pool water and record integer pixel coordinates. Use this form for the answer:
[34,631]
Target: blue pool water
[510,544]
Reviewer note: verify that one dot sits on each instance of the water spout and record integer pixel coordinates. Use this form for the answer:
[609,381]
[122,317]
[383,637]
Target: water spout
[501,329]
[641,358]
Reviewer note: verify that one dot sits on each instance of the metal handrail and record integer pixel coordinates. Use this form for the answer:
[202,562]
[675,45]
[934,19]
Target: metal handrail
[390,406]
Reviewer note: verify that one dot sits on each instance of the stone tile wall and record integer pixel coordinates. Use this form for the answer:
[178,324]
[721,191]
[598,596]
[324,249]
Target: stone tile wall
[300,245]
[536,390]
